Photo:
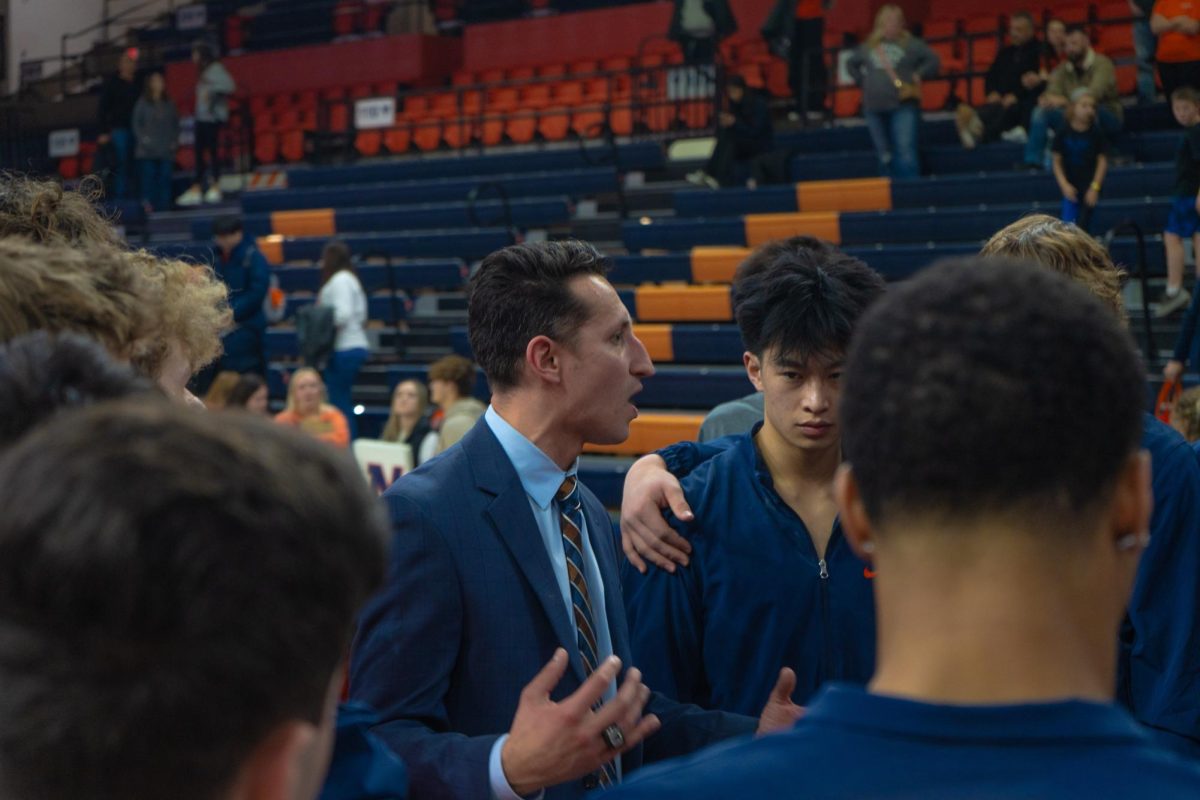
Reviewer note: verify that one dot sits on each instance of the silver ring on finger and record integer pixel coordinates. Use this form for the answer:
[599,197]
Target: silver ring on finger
[613,737]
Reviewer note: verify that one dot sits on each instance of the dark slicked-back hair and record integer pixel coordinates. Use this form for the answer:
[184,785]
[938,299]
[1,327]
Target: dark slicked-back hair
[801,296]
[985,387]
[521,292]
[173,587]
[42,375]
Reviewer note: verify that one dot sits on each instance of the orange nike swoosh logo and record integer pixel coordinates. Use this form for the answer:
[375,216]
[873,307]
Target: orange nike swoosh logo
[869,573]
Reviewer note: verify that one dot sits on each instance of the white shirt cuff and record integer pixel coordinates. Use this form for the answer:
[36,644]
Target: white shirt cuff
[500,788]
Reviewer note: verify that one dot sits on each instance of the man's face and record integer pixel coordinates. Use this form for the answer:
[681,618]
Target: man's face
[800,398]
[1077,47]
[603,367]
[437,392]
[126,68]
[1186,112]
[735,92]
[1020,31]
[227,241]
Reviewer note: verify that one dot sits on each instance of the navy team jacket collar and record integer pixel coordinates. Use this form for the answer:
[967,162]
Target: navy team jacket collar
[847,706]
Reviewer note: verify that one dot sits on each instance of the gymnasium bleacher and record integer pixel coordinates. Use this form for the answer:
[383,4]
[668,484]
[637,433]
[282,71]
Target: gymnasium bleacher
[560,126]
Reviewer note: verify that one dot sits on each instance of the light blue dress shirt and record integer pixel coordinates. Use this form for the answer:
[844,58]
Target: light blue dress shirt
[541,477]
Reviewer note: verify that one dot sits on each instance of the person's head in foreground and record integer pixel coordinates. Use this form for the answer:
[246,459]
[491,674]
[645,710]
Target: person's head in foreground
[45,212]
[991,415]
[796,302]
[178,591]
[556,344]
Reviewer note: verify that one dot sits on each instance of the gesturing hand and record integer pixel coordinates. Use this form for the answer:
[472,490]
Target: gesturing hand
[551,743]
[780,713]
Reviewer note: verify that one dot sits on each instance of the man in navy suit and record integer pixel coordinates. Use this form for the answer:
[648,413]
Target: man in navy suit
[502,562]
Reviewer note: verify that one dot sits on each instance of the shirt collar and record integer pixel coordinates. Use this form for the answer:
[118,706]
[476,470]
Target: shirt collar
[1078,720]
[1088,61]
[539,475]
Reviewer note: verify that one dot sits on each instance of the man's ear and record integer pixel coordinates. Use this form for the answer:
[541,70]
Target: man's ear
[277,768]
[753,369]
[1133,503]
[856,525]
[543,358]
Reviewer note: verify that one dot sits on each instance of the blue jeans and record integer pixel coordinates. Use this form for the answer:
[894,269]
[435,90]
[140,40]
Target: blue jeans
[122,145]
[339,375]
[1144,44]
[894,134]
[1045,119]
[156,182]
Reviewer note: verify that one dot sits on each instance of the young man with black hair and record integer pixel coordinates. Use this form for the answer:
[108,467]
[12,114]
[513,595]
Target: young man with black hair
[771,582]
[494,651]
[244,269]
[1002,575]
[179,591]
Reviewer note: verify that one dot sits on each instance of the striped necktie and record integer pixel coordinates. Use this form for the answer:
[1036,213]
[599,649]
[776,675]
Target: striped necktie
[570,517]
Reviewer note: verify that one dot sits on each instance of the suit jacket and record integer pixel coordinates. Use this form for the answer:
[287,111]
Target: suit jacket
[470,613]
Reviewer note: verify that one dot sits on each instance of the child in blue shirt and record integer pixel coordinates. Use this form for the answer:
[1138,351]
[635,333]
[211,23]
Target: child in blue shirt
[1183,221]
[1080,159]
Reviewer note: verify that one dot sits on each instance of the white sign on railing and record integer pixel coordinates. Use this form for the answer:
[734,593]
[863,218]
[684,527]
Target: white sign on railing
[64,143]
[190,18]
[375,112]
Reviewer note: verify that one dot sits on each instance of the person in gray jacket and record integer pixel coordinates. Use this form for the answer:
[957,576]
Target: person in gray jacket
[890,67]
[213,89]
[156,132]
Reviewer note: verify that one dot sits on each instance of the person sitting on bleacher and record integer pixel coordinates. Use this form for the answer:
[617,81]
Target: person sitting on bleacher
[451,383]
[744,134]
[1083,69]
[308,410]
[1013,84]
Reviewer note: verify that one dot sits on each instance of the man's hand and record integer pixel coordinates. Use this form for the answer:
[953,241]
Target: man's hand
[1172,371]
[1092,197]
[551,743]
[103,138]
[993,97]
[780,713]
[1030,80]
[1187,25]
[650,488]
[1009,100]
[1069,192]
[727,119]
[1135,9]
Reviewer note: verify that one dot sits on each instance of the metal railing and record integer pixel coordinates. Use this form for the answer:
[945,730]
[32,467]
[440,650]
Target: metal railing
[1143,278]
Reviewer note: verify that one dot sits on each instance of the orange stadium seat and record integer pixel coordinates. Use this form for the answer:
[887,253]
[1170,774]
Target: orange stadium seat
[368,143]
[427,134]
[291,145]
[266,147]
[398,139]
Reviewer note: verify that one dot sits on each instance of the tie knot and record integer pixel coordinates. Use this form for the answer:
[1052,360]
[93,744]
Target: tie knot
[566,489]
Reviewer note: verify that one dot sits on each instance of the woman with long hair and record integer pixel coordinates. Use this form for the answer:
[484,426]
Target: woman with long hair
[890,67]
[156,132]
[342,291]
[307,410]
[250,393]
[408,422]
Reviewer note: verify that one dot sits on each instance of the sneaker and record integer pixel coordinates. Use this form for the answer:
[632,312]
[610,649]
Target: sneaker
[191,197]
[696,177]
[1017,135]
[711,182]
[1168,305]
[967,139]
[213,195]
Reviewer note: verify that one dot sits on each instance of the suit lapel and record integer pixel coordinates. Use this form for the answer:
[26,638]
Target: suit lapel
[509,515]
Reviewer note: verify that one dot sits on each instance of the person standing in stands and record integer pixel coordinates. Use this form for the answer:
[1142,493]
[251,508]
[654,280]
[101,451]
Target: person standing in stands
[342,291]
[1083,69]
[117,99]
[796,29]
[1183,221]
[699,26]
[771,581]
[1001,574]
[214,87]
[156,129]
[889,68]
[1144,46]
[744,133]
[451,385]
[244,269]
[1176,23]
[1080,159]
[1012,84]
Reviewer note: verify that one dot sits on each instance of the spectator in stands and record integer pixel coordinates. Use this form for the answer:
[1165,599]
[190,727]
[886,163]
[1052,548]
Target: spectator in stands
[308,410]
[132,673]
[890,67]
[765,531]
[1013,84]
[699,26]
[244,269]
[249,393]
[1084,68]
[214,87]
[979,689]
[341,291]
[1144,46]
[411,16]
[156,129]
[743,134]
[1177,25]
[217,396]
[451,384]
[1185,417]
[1183,221]
[1080,159]
[1056,45]
[408,422]
[796,30]
[117,99]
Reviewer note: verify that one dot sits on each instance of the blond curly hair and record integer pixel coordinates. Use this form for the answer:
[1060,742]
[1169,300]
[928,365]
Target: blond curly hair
[1186,414]
[45,212]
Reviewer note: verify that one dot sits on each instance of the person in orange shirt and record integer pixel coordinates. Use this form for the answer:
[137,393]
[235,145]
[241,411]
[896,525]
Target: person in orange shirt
[796,29]
[1176,23]
[307,410]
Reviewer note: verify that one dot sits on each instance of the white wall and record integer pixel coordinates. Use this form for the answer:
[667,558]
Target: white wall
[35,27]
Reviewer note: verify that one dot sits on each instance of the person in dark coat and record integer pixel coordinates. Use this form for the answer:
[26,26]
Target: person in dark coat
[699,26]
[795,30]
[117,99]
[744,134]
